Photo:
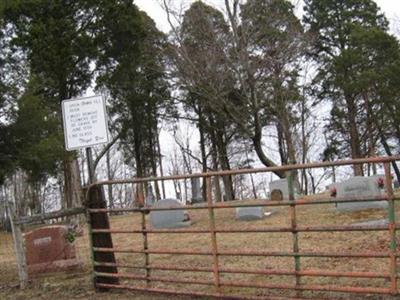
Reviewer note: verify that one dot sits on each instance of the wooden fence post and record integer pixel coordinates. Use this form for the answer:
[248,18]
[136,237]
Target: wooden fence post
[19,247]
[100,220]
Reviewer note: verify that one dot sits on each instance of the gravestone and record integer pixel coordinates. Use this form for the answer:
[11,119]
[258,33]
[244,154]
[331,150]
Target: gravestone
[48,250]
[249,213]
[169,218]
[149,201]
[197,196]
[282,186]
[276,195]
[359,186]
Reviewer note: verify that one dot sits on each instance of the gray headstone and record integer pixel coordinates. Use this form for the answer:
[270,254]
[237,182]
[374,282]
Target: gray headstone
[359,186]
[197,196]
[282,186]
[250,213]
[149,201]
[168,218]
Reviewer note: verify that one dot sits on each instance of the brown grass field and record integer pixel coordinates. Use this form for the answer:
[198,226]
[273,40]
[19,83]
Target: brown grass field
[78,285]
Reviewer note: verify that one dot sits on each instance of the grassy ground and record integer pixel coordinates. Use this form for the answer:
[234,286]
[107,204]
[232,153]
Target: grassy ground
[78,285]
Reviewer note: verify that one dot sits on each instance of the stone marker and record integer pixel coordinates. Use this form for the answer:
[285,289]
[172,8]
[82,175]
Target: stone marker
[359,186]
[48,250]
[276,195]
[197,196]
[250,213]
[149,201]
[282,186]
[169,218]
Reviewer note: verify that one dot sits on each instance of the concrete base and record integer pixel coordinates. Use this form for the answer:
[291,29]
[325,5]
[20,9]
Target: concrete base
[55,266]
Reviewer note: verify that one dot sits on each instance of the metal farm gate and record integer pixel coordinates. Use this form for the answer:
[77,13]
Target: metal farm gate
[298,280]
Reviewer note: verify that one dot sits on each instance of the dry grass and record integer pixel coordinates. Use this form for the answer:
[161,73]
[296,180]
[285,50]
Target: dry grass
[78,285]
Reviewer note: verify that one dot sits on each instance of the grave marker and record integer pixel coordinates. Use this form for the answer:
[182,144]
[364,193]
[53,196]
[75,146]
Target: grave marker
[197,196]
[169,218]
[48,250]
[359,186]
[249,213]
[282,186]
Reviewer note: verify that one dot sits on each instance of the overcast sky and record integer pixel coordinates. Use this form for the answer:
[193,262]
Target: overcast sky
[391,8]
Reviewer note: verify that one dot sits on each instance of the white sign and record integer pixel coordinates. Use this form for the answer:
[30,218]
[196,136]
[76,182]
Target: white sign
[85,122]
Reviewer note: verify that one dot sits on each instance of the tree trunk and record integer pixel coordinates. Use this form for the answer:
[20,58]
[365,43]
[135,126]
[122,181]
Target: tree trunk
[259,150]
[202,149]
[281,144]
[137,138]
[161,165]
[217,185]
[109,177]
[389,153]
[354,136]
[218,140]
[73,194]
[152,138]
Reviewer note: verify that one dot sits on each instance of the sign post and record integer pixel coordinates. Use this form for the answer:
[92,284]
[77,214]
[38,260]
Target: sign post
[85,125]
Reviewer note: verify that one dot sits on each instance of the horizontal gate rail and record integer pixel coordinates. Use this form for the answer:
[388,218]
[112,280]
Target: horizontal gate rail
[310,273]
[215,269]
[367,290]
[257,230]
[253,253]
[265,204]
[255,170]
[192,293]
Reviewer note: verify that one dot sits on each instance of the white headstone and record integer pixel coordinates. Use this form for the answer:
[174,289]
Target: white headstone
[363,187]
[196,190]
[282,185]
[149,201]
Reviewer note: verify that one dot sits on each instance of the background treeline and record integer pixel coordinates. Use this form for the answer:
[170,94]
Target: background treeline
[233,88]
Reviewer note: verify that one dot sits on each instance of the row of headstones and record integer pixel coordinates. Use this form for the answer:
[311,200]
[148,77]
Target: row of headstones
[358,186]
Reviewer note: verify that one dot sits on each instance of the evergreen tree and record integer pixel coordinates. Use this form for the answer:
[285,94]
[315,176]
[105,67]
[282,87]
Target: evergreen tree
[131,67]
[56,37]
[344,37]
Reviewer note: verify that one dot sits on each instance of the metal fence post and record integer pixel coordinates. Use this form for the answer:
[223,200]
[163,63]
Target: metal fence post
[145,247]
[19,246]
[214,247]
[392,228]
[293,224]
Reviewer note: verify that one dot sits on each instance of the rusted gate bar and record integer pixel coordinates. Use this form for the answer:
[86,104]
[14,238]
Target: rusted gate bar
[257,170]
[238,283]
[195,294]
[336,228]
[310,273]
[214,247]
[255,253]
[293,225]
[265,204]
[145,248]
[331,288]
[392,229]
